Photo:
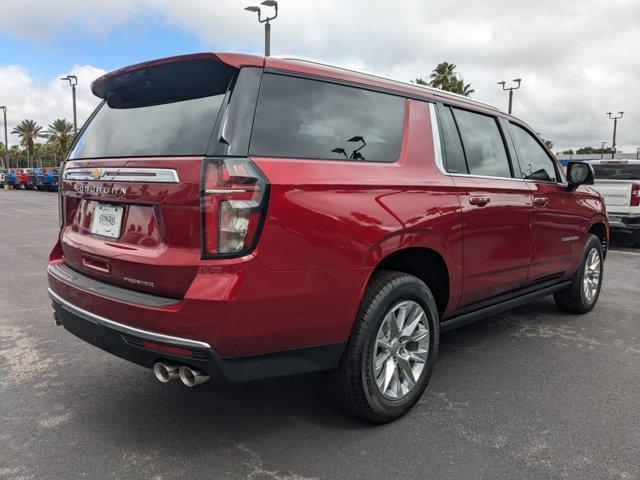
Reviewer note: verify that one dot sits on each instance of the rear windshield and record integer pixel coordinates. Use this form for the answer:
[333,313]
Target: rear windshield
[159,110]
[179,128]
[617,171]
[312,119]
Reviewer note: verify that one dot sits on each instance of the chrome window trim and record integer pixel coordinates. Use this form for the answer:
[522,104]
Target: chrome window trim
[437,150]
[435,132]
[123,174]
[136,332]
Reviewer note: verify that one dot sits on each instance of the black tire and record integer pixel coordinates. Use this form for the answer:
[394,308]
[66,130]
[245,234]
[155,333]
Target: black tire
[353,384]
[636,238]
[573,298]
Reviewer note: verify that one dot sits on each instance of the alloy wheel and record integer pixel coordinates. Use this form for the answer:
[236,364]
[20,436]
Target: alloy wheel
[401,350]
[591,276]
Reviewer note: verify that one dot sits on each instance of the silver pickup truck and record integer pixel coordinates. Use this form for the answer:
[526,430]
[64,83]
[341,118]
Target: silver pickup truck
[618,181]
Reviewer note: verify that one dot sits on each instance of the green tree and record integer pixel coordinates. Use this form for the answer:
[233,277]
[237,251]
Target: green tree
[3,160]
[445,77]
[59,135]
[16,155]
[458,86]
[548,144]
[567,152]
[586,150]
[28,131]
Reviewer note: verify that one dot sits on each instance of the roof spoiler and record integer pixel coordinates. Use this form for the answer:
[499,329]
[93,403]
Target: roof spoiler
[167,80]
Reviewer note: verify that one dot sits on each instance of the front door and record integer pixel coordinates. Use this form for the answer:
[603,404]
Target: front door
[558,219]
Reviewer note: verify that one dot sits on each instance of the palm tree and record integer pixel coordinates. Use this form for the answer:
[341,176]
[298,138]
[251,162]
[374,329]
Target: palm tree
[443,75]
[15,153]
[28,131]
[60,135]
[458,86]
[446,78]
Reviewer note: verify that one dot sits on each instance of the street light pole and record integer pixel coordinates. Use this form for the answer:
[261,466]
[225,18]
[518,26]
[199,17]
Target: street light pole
[73,81]
[615,119]
[602,150]
[6,139]
[511,89]
[637,153]
[266,21]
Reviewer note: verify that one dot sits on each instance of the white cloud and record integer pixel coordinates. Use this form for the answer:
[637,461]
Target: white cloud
[26,98]
[576,57]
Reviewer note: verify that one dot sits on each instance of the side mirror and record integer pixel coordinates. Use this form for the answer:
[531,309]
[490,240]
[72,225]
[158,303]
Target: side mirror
[579,173]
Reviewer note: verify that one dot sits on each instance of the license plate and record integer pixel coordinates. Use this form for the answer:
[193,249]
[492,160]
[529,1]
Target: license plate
[107,220]
[614,219]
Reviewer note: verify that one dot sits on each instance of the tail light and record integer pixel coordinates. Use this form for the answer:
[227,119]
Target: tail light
[635,195]
[235,196]
[60,199]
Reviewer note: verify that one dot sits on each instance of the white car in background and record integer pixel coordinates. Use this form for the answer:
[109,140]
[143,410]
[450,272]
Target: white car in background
[618,181]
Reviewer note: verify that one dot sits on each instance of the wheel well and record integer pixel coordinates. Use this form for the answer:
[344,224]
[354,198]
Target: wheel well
[600,231]
[428,265]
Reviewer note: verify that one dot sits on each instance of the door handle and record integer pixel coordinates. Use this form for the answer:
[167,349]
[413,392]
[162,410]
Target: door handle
[479,201]
[541,201]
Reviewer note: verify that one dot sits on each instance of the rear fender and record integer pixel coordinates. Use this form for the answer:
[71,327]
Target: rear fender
[425,239]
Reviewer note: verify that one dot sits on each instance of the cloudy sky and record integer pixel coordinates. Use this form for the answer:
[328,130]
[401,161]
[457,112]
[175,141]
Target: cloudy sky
[577,58]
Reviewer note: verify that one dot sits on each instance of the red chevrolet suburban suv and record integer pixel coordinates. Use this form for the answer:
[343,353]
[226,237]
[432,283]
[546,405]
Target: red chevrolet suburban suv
[236,217]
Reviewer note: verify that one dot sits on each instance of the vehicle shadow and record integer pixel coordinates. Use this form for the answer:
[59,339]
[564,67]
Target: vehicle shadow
[139,407]
[620,239]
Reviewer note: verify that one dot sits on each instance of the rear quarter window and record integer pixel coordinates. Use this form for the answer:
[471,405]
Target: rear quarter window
[302,118]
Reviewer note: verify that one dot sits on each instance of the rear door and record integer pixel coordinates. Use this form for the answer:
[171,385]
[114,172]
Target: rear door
[132,186]
[497,210]
[559,218]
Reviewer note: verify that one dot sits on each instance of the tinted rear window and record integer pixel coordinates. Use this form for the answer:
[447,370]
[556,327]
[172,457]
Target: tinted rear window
[313,119]
[178,128]
[167,108]
[617,171]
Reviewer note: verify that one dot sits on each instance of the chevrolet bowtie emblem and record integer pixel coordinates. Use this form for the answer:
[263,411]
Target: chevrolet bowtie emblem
[97,173]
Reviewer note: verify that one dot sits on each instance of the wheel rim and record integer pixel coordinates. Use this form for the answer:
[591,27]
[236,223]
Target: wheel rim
[401,351]
[591,276]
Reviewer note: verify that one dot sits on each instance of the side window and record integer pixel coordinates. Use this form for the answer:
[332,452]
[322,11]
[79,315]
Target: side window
[303,118]
[483,145]
[454,155]
[534,161]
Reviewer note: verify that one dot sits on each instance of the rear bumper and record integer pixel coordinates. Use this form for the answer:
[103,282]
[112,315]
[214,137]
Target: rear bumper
[624,221]
[129,343]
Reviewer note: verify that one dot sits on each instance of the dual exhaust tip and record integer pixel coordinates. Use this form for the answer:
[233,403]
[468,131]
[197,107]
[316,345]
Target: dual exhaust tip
[165,372]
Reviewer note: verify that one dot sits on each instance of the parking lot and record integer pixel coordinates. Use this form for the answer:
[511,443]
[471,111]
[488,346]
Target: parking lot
[528,394]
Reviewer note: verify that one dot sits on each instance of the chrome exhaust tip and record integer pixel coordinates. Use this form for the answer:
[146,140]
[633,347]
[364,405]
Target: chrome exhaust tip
[192,376]
[165,372]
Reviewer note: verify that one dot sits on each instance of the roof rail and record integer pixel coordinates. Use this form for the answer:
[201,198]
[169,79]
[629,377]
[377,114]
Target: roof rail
[382,77]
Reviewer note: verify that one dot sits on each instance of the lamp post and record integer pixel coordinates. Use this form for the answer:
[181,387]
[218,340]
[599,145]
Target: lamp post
[6,139]
[511,89]
[602,150]
[266,21]
[637,153]
[73,81]
[615,119]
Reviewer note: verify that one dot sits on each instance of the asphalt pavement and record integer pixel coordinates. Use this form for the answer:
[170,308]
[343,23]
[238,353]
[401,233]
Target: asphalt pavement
[531,394]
